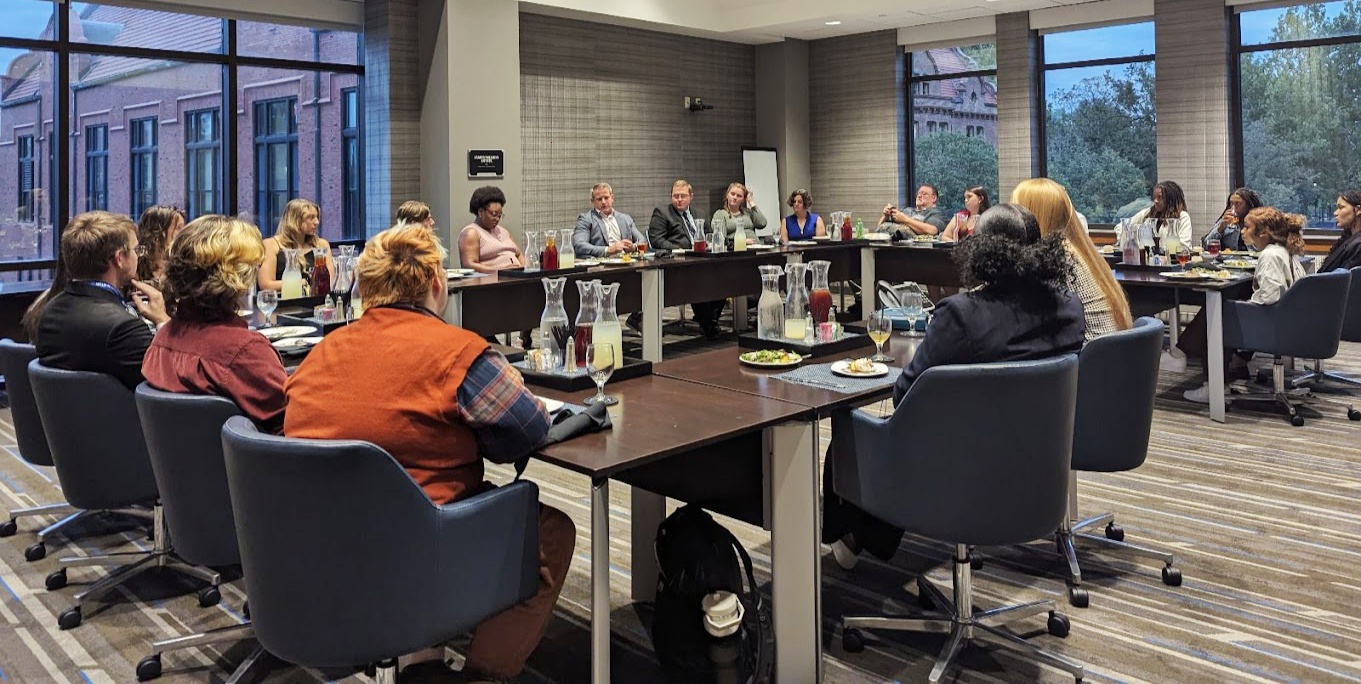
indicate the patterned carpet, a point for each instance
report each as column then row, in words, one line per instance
column 1265, row 519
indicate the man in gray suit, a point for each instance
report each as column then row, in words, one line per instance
column 603, row 231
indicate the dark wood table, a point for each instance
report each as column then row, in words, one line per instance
column 685, row 439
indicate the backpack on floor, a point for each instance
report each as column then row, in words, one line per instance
column 696, row 556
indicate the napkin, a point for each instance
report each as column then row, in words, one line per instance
column 569, row 423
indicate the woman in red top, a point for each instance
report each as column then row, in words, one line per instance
column 207, row 348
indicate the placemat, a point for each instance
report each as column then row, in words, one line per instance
column 821, row 376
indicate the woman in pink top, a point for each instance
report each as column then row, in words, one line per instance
column 485, row 245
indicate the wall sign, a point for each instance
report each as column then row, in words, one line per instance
column 486, row 163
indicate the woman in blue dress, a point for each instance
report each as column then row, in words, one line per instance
column 802, row 224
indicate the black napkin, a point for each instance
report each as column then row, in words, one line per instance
column 568, row 424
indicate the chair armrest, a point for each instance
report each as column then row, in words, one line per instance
column 488, row 557
column 1248, row 325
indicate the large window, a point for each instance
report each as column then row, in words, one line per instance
column 143, row 169
column 97, row 167
column 203, row 162
column 952, row 95
column 1100, row 126
column 158, row 107
column 1300, row 89
column 276, row 158
column 349, row 154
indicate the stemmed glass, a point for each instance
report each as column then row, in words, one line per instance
column 267, row 301
column 600, row 361
column 912, row 310
column 879, row 328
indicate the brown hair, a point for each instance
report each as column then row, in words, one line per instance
column 744, row 195
column 398, row 264
column 290, row 233
column 91, row 240
column 1052, row 207
column 413, row 211
column 1280, row 228
column 34, row 313
column 212, row 262
column 807, row 199
column 153, row 232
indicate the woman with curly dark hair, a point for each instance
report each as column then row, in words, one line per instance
column 1228, row 229
column 207, row 348
column 1019, row 309
column 155, row 230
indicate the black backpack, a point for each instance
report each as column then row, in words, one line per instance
column 696, row 556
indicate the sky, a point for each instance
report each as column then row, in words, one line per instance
column 1126, row 40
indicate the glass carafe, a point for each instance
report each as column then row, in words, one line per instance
column 567, row 258
column 796, row 302
column 820, row 299
column 553, row 325
column 590, row 308
column 292, row 277
column 549, row 260
column 770, row 307
column 532, row 254
column 606, row 329
column 321, row 272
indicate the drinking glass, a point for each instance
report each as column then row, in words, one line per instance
column 1212, row 247
column 879, row 328
column 600, row 362
column 912, row 310
column 267, row 301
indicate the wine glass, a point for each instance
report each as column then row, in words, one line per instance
column 912, row 310
column 600, row 361
column 879, row 328
column 267, row 301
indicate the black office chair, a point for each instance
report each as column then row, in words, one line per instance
column 1117, row 381
column 993, row 476
column 1351, row 332
column 1305, row 323
column 350, row 564
column 184, row 440
column 102, row 463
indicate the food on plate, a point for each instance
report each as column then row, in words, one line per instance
column 861, row 366
column 1239, row 263
column 771, row 356
column 626, row 258
column 923, row 238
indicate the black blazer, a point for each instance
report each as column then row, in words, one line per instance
column 982, row 327
column 667, row 229
column 87, row 328
column 1344, row 254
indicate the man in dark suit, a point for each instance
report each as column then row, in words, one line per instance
column 673, row 227
column 92, row 325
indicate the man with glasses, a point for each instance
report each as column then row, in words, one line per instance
column 92, row 325
column 926, row 219
column 674, row 227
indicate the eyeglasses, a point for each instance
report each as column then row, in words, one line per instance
column 493, row 214
column 139, row 250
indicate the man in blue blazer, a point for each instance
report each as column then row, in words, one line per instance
column 603, row 231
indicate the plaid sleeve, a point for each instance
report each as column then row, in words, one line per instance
column 506, row 418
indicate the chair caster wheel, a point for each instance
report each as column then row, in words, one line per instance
column 1059, row 624
column 1297, row 421
column 1352, row 414
column 1115, row 532
column 55, row 580
column 36, row 552
column 1172, row 576
column 1078, row 597
column 208, row 597
column 149, row 668
column 8, row 528
column 975, row 562
column 852, row 641
column 69, row 619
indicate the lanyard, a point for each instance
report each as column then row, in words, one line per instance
column 106, row 287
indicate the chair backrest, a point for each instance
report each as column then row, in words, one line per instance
column 1351, row 321
column 184, row 440
column 1116, row 382
column 1305, row 322
column 28, row 425
column 96, row 438
column 346, row 560
column 991, row 470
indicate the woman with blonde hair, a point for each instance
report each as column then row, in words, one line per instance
column 207, row 348
column 297, row 230
column 415, row 212
column 739, row 206
column 1103, row 301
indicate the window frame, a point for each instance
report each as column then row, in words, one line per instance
column 97, row 159
column 139, row 150
column 352, row 182
column 27, row 207
column 921, row 85
column 265, row 141
column 194, row 149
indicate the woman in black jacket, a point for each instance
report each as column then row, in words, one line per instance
column 1346, row 251
column 1020, row 309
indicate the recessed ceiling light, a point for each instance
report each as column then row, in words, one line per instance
column 833, row 23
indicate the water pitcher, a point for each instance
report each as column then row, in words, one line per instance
column 820, row 299
column 553, row 326
column 292, row 277
column 532, row 253
column 590, row 308
column 770, row 307
column 796, row 302
column 606, row 329
column 567, row 258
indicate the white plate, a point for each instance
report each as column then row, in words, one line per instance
column 553, row 405
column 821, row 238
column 586, row 262
column 804, row 242
column 458, row 272
column 615, row 261
column 296, row 343
column 282, row 331
column 770, row 364
column 679, row 251
column 878, row 237
column 760, row 246
column 843, row 368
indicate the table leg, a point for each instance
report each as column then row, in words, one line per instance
column 1174, row 327
column 739, row 314
column 600, row 581
column 654, row 282
column 795, row 566
column 453, row 310
column 867, row 282
column 1214, row 315
column 648, row 511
